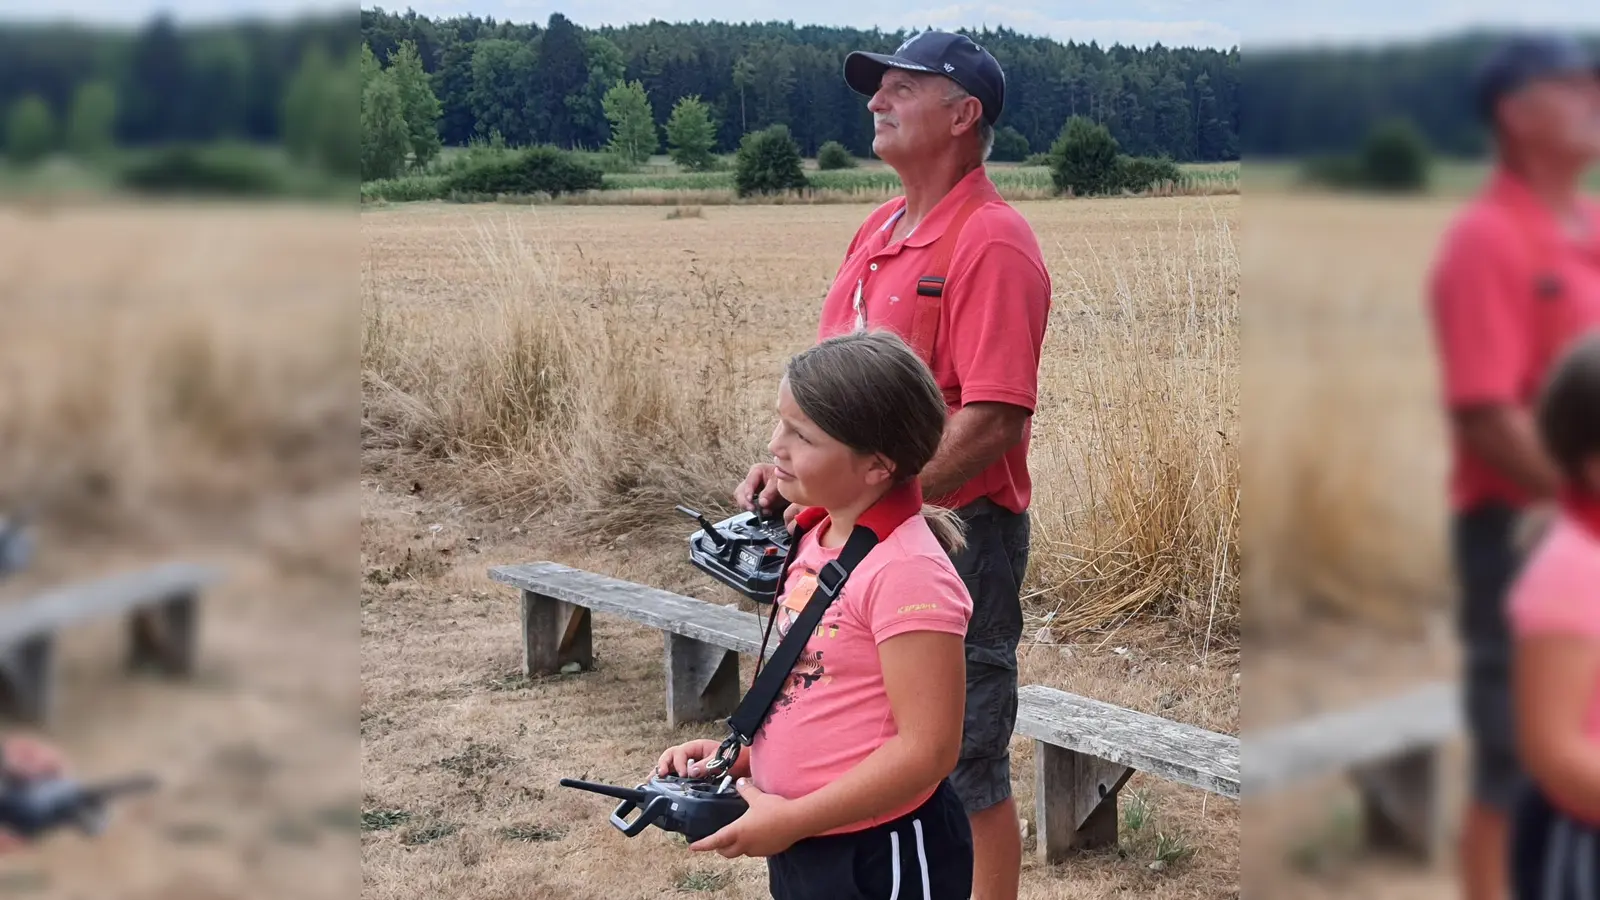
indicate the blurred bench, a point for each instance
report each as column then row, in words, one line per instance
column 1391, row 749
column 161, row 607
column 1085, row 749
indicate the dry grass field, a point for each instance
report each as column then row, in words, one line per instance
column 546, row 382
column 179, row 382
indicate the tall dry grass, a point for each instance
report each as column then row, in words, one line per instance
column 1138, row 513
column 543, row 391
column 576, row 394
column 136, row 383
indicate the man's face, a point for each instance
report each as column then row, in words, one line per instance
column 1557, row 116
column 911, row 115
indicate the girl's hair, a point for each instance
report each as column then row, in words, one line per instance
column 1569, row 409
column 869, row 391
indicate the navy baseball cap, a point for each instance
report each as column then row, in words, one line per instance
column 954, row 56
column 1524, row 58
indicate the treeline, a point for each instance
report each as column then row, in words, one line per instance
column 163, row 83
column 535, row 84
column 1305, row 103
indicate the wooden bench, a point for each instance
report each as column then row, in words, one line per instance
column 702, row 640
column 162, row 607
column 1085, row 750
column 1392, row 751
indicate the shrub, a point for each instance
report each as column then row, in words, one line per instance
column 1137, row 173
column 1009, row 145
column 1395, row 158
column 196, row 169
column 1084, row 159
column 833, row 155
column 768, row 163
column 535, row 170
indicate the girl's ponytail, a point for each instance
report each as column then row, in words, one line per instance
column 948, row 527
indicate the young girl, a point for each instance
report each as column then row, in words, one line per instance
column 845, row 779
column 1555, row 616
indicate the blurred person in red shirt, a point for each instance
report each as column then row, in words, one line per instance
column 1517, row 279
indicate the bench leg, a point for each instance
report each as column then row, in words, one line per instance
column 1400, row 800
column 554, row 633
column 28, row 671
column 163, row 636
column 1075, row 801
column 702, row 681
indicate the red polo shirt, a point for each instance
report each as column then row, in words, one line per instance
column 991, row 325
column 1508, row 293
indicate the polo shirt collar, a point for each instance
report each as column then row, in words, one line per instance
column 1505, row 188
column 932, row 228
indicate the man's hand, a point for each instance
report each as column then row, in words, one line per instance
column 759, row 484
column 1508, row 439
column 28, row 759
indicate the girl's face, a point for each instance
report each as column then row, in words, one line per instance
column 814, row 469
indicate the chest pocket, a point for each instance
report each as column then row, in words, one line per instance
column 929, row 302
column 1560, row 311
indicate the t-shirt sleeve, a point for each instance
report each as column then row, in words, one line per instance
column 1557, row 592
column 998, row 307
column 918, row 593
column 1480, row 321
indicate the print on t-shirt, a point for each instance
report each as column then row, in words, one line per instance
column 809, row 669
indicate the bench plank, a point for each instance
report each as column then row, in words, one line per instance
column 722, row 626
column 1174, row 751
column 56, row 608
column 1339, row 742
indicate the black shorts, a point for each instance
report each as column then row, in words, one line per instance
column 1486, row 563
column 992, row 566
column 926, row 853
column 1553, row 857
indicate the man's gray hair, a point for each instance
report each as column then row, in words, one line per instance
column 985, row 130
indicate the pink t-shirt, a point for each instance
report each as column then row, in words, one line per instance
column 833, row 711
column 1558, row 592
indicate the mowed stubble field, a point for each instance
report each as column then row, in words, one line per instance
column 656, row 344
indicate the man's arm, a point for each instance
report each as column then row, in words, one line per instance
column 1506, row 437
column 976, row 436
column 997, row 320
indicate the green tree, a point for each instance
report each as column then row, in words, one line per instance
column 690, row 135
column 91, row 123
column 606, row 66
column 30, row 130
column 385, row 140
column 769, row 162
column 1083, row 158
column 633, row 125
column 418, row 104
column 303, row 99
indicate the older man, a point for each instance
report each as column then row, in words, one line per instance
column 1517, row 278
column 958, row 273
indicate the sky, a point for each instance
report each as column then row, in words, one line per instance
column 1197, row 23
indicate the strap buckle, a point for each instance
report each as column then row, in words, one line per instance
column 831, row 591
column 727, row 753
